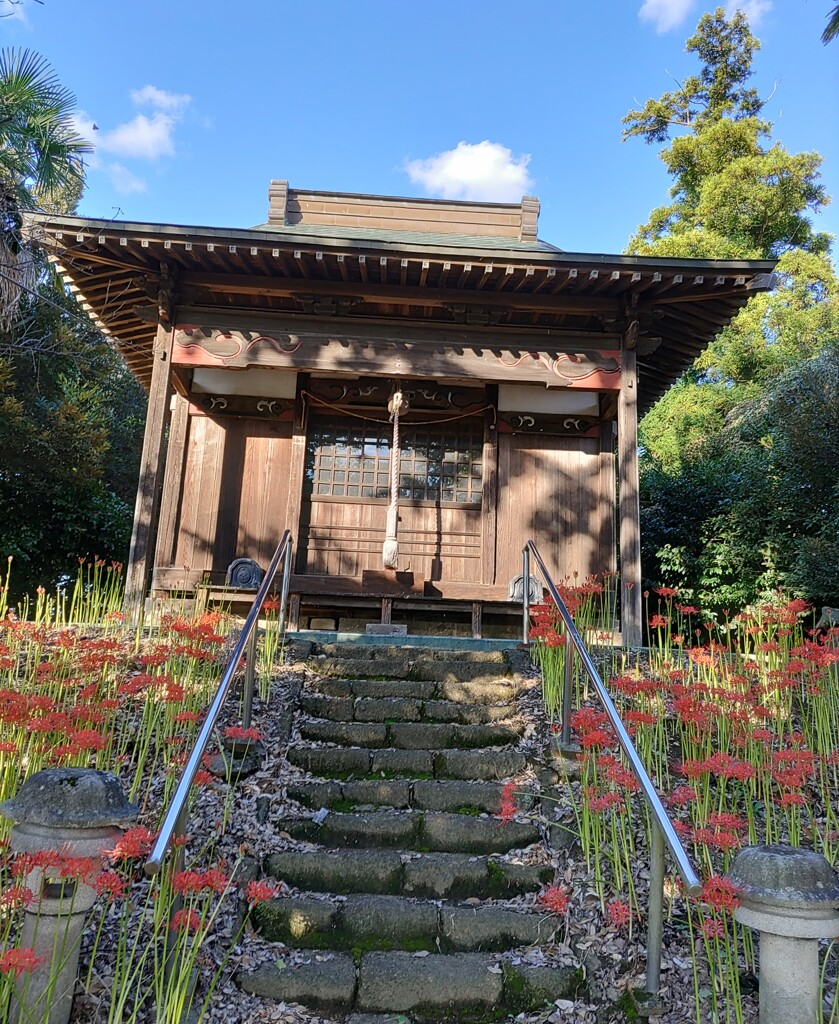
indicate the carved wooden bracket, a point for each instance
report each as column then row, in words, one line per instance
column 166, row 292
column 557, row 425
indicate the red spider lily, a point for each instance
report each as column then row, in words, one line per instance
column 720, row 893
column 44, row 860
column 133, row 844
column 193, row 882
column 84, row 869
column 588, row 718
column 17, row 961
column 237, row 732
column 717, row 839
column 713, row 928
column 658, row 621
column 682, row 795
column 666, row 592
column 722, row 819
column 602, row 802
column 272, row 603
column 185, row 921
column 792, row 800
column 153, row 659
column 728, row 767
column 554, row 899
column 112, row 884
column 623, row 778
column 15, row 896
column 508, row 807
column 88, row 739
column 260, row 891
column 620, row 913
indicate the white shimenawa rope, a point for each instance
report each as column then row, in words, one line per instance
column 390, row 548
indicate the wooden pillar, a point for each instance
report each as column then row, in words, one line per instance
column 477, row 619
column 629, row 513
column 145, row 508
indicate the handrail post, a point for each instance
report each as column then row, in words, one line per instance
column 566, row 691
column 178, row 864
column 655, row 910
column 250, row 678
column 285, row 589
column 525, row 595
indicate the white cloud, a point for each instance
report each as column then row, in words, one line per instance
column 753, row 9
column 483, row 171
column 147, row 138
column 151, row 96
column 124, row 181
column 665, row 14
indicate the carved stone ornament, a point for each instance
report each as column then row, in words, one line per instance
column 516, row 592
column 244, row 573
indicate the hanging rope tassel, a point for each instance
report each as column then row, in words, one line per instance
column 390, row 548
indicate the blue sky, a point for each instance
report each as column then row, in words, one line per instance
column 198, row 106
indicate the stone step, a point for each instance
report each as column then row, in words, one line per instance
column 358, row 762
column 396, row 922
column 414, row 830
column 402, row 709
column 407, row 735
column 428, row 875
column 325, row 982
column 375, row 652
column 434, row 986
column 463, row 714
column 430, row 794
column 454, row 986
column 459, row 691
column 389, row 669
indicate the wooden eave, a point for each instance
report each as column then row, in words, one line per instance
column 113, row 269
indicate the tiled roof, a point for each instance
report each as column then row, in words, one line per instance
column 430, row 238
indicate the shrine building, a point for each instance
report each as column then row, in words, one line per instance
column 286, row 364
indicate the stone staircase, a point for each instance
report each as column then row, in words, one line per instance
column 405, row 897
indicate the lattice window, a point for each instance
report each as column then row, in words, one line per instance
column 351, row 459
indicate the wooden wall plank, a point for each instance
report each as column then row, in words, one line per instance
column 297, row 467
column 344, row 539
column 173, row 481
column 551, row 490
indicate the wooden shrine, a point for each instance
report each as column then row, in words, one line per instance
column 270, row 356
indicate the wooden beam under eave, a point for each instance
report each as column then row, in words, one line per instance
column 629, row 512
column 151, row 469
column 368, row 291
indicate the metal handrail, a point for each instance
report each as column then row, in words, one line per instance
column 175, row 821
column 664, row 832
